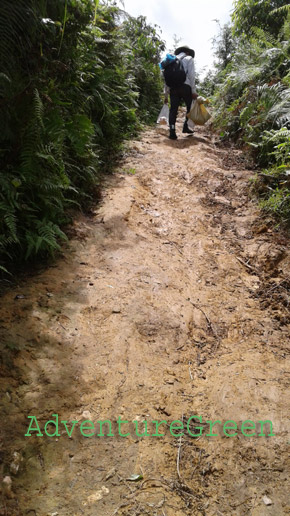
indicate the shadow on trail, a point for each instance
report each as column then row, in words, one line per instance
column 183, row 143
column 37, row 379
column 40, row 371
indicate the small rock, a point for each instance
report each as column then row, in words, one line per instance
column 242, row 232
column 14, row 466
column 98, row 495
column 170, row 372
column 116, row 310
column 86, row 415
column 262, row 229
column 222, row 200
column 7, row 487
column 267, row 501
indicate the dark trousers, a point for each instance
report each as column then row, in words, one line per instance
column 176, row 96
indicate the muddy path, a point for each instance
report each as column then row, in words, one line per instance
column 171, row 302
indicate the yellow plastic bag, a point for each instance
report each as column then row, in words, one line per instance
column 198, row 113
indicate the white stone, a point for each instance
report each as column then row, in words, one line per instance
column 267, row 501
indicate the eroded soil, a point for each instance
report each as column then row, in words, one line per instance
column 171, row 302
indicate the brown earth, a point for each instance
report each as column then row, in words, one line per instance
column 172, row 301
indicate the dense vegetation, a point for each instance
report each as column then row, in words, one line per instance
column 251, row 93
column 77, row 77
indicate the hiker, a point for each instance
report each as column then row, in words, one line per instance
column 185, row 91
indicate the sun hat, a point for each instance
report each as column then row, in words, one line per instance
column 185, row 49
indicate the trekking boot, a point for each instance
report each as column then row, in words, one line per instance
column 172, row 133
column 186, row 128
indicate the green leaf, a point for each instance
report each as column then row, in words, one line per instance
column 16, row 183
column 135, row 478
column 5, row 270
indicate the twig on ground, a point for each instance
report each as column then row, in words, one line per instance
column 158, row 505
column 253, row 505
column 120, row 507
column 242, row 503
column 198, row 463
column 175, row 245
column 246, row 264
column 207, row 319
column 190, row 373
column 153, row 480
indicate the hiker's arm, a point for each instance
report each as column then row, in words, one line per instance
column 191, row 77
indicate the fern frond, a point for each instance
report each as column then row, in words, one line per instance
column 282, row 9
column 3, row 269
column 11, row 223
column 264, row 37
column 38, row 108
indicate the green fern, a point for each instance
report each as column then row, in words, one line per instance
column 3, row 269
column 282, row 9
column 70, row 89
column 264, row 37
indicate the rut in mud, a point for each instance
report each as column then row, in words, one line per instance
column 171, row 302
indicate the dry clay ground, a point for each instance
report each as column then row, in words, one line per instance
column 172, row 301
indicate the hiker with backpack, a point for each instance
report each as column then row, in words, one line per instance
column 179, row 77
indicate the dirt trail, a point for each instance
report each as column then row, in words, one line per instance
column 171, row 302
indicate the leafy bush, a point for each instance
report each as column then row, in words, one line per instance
column 145, row 48
column 71, row 91
column 251, row 93
column 278, row 203
column 274, row 147
column 268, row 15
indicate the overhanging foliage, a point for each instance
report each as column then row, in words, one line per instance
column 251, row 94
column 71, row 91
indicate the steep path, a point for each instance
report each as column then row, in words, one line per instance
column 171, row 302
